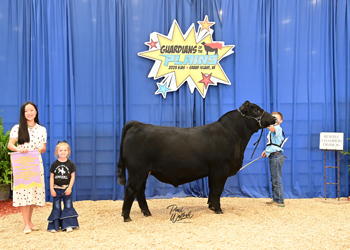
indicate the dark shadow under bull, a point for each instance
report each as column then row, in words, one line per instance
column 180, row 155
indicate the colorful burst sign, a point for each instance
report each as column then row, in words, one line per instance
column 26, row 170
column 191, row 57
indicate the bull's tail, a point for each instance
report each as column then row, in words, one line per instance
column 121, row 164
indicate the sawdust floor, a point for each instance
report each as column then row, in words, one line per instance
column 247, row 223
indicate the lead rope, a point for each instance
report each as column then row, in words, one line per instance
column 257, row 143
column 250, row 163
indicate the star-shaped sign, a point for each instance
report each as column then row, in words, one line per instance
column 206, row 80
column 184, row 57
column 152, row 44
column 162, row 89
column 206, row 24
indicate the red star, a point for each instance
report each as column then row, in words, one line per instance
column 206, row 80
column 152, row 44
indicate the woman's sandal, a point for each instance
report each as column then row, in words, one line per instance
column 35, row 228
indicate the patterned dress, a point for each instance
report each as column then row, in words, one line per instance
column 34, row 195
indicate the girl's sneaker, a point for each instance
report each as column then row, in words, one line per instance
column 69, row 229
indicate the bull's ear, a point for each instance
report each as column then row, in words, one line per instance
column 245, row 107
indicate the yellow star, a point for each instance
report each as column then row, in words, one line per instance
column 206, row 24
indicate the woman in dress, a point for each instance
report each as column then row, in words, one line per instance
column 29, row 135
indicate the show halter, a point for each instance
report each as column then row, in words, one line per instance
column 258, row 119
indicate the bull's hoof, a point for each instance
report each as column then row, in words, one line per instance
column 127, row 219
column 217, row 211
column 211, row 208
column 146, row 213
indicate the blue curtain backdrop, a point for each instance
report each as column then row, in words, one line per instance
column 77, row 60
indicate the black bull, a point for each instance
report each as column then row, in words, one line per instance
column 181, row 155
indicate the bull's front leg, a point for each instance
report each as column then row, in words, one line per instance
column 216, row 186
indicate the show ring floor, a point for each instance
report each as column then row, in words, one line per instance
column 247, row 223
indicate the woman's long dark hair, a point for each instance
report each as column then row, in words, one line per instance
column 23, row 135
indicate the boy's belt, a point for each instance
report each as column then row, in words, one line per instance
column 275, row 153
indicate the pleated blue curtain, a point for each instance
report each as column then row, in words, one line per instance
column 250, row 81
column 341, row 71
column 303, row 44
column 97, row 31
column 305, row 86
column 77, row 60
column 39, row 68
column 59, row 84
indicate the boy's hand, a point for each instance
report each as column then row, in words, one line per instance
column 263, row 154
column 53, row 193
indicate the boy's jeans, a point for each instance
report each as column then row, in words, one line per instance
column 276, row 163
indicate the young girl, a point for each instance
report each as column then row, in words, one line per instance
column 61, row 183
column 29, row 135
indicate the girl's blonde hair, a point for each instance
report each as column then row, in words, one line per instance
column 62, row 143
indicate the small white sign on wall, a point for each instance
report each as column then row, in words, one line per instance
column 331, row 141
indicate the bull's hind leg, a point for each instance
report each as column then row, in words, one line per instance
column 216, row 186
column 141, row 199
column 131, row 190
column 210, row 197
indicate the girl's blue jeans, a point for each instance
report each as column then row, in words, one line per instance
column 62, row 218
column 276, row 162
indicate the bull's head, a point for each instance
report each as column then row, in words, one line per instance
column 253, row 111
